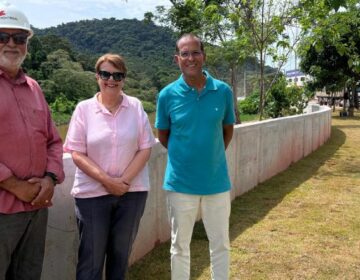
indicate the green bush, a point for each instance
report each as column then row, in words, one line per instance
column 61, row 118
column 280, row 100
column 298, row 98
column 250, row 105
column 286, row 100
column 62, row 105
column 277, row 101
column 148, row 106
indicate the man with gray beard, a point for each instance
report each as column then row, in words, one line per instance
column 30, row 155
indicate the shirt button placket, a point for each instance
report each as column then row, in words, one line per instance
column 113, row 155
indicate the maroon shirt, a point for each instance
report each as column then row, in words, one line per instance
column 29, row 142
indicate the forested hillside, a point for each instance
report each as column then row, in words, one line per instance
column 148, row 47
column 62, row 59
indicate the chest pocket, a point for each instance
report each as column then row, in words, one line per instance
column 37, row 120
column 6, row 126
column 6, row 116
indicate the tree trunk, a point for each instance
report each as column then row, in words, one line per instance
column 234, row 89
column 333, row 100
column 262, row 63
column 356, row 98
column 352, row 100
column 262, row 86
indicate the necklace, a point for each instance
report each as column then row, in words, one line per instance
column 112, row 108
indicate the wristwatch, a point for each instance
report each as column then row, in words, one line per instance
column 52, row 176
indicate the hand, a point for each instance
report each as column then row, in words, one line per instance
column 22, row 189
column 26, row 191
column 116, row 186
column 46, row 192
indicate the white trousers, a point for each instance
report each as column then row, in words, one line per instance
column 215, row 212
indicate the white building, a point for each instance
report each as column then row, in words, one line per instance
column 296, row 77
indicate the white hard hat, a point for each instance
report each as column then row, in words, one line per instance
column 11, row 17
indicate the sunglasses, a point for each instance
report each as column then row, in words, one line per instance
column 105, row 75
column 18, row 38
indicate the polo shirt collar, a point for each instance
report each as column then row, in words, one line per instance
column 209, row 85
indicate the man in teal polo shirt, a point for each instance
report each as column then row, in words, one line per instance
column 195, row 117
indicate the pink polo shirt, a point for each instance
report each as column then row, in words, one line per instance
column 29, row 142
column 109, row 140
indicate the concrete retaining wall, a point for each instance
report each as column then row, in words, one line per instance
column 257, row 152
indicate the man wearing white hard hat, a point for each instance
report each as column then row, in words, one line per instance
column 30, row 155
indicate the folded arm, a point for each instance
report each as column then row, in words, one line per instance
column 22, row 189
column 115, row 186
column 136, row 165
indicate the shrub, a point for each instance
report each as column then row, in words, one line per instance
column 250, row 105
column 148, row 106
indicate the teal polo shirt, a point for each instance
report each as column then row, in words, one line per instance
column 196, row 153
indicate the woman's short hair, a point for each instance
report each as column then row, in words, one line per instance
column 116, row 60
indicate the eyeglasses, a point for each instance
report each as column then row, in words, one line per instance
column 18, row 38
column 187, row 54
column 105, row 75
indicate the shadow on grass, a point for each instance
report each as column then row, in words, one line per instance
column 253, row 206
column 247, row 210
column 356, row 117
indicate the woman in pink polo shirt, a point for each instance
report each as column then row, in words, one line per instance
column 110, row 141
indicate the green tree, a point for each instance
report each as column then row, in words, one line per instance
column 49, row 88
column 149, row 107
column 250, row 105
column 277, row 102
column 59, row 59
column 266, row 21
column 148, row 17
column 62, row 105
column 36, row 55
column 299, row 98
column 281, row 101
column 330, row 52
column 74, row 85
column 62, row 109
column 52, row 42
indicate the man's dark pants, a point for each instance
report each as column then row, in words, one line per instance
column 22, row 244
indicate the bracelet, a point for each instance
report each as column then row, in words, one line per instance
column 52, row 176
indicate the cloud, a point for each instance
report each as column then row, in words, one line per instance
column 45, row 13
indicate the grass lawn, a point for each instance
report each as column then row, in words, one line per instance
column 301, row 224
column 248, row 118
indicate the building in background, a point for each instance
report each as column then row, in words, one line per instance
column 296, row 77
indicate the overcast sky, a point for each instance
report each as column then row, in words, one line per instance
column 46, row 13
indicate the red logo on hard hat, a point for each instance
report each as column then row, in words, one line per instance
column 2, row 13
